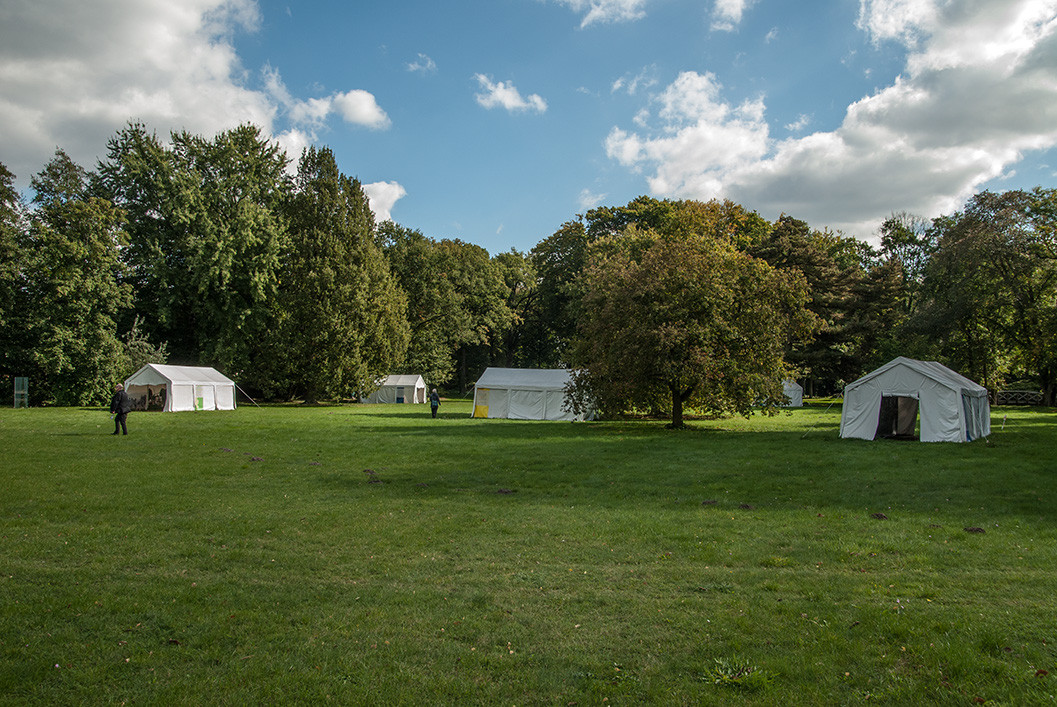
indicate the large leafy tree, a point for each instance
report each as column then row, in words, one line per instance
column 140, row 176
column 791, row 245
column 457, row 301
column 432, row 304
column 73, row 289
column 236, row 234
column 205, row 236
column 558, row 261
column 993, row 286
column 482, row 312
column 343, row 319
column 515, row 345
column 681, row 322
column 13, row 303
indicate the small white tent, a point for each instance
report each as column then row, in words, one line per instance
column 886, row 402
column 399, row 389
column 178, row 388
column 795, row 392
column 522, row 394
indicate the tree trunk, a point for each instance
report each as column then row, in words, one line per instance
column 678, row 398
column 677, row 410
column 462, row 370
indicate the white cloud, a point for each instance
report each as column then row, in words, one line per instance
column 802, row 121
column 293, row 142
column 701, row 139
column 603, row 11
column 360, row 108
column 423, row 65
column 644, row 80
column 979, row 92
column 382, row 196
column 72, row 73
column 589, row 200
column 906, row 21
column 356, row 107
column 505, row 95
column 726, row 15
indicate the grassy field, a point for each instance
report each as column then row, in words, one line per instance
column 372, row 555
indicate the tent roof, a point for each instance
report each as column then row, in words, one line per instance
column 525, row 378
column 931, row 369
column 179, row 374
column 398, row 379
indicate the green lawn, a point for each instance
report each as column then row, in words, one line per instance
column 373, row 555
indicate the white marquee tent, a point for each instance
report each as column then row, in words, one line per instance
column 795, row 392
column 399, row 389
column 179, row 388
column 522, row 394
column 887, row 401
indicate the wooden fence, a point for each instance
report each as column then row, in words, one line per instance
column 1018, row 397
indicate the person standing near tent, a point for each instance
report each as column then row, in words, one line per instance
column 434, row 403
column 120, row 405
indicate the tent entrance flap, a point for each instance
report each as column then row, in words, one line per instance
column 897, row 417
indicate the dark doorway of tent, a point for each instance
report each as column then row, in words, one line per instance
column 898, row 418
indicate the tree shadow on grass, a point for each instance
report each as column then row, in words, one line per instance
column 636, row 464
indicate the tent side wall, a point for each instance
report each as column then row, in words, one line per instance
column 181, row 398
column 225, row 396
column 491, row 403
column 522, row 394
column 520, row 404
column 859, row 414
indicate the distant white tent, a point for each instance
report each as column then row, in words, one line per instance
column 522, row 394
column 887, row 401
column 795, row 392
column 399, row 389
column 180, row 388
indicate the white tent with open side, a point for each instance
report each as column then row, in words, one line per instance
column 886, row 403
column 522, row 394
column 795, row 392
column 399, row 389
column 179, row 388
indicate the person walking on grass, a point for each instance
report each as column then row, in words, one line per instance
column 434, row 403
column 120, row 405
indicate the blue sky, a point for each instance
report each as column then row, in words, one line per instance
column 494, row 121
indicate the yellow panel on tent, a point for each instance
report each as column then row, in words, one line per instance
column 480, row 403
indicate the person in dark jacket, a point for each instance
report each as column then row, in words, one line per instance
column 120, row 405
column 434, row 402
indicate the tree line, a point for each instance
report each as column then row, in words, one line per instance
column 212, row 251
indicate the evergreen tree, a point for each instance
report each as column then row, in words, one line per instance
column 343, row 322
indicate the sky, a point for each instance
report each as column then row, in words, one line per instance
column 496, row 121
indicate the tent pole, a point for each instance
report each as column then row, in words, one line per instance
column 246, row 394
column 811, row 429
